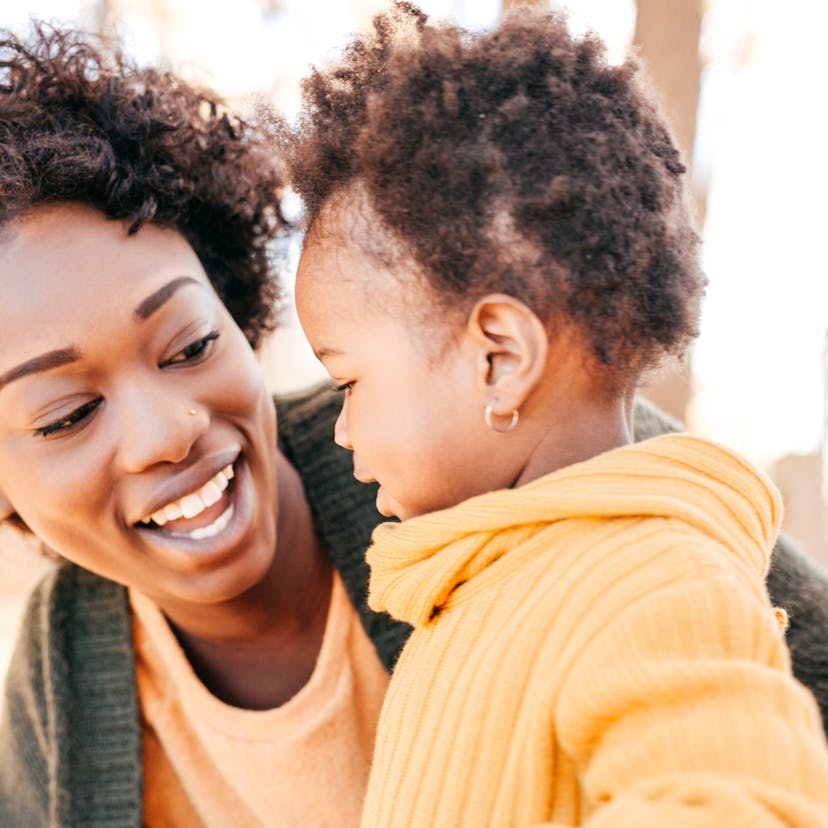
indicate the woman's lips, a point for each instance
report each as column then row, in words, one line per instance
column 195, row 509
column 208, row 530
column 217, row 534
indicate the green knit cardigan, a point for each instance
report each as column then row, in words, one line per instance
column 70, row 743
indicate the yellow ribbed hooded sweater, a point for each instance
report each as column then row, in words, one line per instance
column 596, row 648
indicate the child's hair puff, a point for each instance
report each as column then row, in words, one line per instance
column 515, row 160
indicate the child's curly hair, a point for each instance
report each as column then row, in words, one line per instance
column 80, row 122
column 516, row 160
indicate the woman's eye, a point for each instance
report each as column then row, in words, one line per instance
column 194, row 351
column 71, row 421
column 346, row 387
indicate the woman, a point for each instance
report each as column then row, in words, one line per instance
column 139, row 442
column 134, row 220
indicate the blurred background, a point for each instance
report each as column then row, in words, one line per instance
column 742, row 83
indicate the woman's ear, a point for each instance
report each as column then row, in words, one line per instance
column 512, row 345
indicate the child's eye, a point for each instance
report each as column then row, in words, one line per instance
column 195, row 351
column 346, row 386
column 69, row 422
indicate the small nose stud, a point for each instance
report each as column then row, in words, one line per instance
column 192, row 412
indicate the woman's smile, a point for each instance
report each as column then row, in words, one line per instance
column 139, row 443
column 210, row 533
column 188, row 512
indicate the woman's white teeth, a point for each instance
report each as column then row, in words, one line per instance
column 215, row 527
column 210, row 494
column 195, row 503
column 192, row 505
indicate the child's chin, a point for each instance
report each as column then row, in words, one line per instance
column 388, row 507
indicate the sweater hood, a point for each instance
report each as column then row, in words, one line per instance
column 416, row 565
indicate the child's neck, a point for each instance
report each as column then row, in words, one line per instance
column 577, row 432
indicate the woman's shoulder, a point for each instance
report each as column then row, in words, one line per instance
column 306, row 437
column 71, row 615
column 800, row 586
column 306, row 421
column 307, row 410
column 70, row 721
column 650, row 421
column 69, row 593
column 344, row 510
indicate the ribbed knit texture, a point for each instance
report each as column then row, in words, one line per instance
column 595, row 648
column 70, row 745
column 795, row 582
column 42, row 776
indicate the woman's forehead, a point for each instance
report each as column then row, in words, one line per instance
column 67, row 268
column 73, row 245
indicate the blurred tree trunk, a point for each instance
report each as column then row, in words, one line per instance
column 511, row 4
column 667, row 39
column 105, row 17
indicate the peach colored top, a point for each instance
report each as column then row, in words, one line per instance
column 302, row 764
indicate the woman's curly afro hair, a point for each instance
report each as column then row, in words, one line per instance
column 515, row 160
column 79, row 122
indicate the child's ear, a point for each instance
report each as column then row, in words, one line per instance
column 512, row 346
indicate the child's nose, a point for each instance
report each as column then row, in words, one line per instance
column 341, row 437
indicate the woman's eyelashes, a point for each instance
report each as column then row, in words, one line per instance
column 71, row 421
column 193, row 353
column 346, row 386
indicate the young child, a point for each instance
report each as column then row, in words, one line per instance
column 498, row 250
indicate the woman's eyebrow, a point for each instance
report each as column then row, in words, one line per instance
column 44, row 362
column 63, row 356
column 156, row 299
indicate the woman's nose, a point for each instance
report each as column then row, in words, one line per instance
column 161, row 433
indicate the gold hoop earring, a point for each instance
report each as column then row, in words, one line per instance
column 487, row 416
